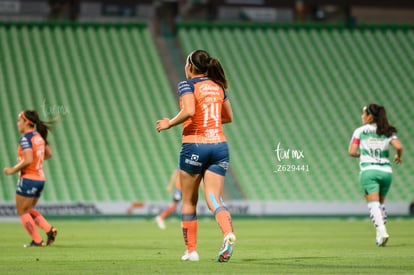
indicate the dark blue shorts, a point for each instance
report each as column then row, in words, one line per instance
column 29, row 188
column 196, row 158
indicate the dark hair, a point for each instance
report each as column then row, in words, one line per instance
column 380, row 118
column 43, row 127
column 203, row 63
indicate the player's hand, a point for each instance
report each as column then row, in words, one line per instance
column 398, row 159
column 8, row 171
column 163, row 124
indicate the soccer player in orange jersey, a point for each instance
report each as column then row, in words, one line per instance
column 33, row 149
column 204, row 108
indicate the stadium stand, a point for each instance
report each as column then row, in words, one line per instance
column 108, row 84
column 297, row 94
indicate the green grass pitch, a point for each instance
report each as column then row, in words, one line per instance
column 264, row 246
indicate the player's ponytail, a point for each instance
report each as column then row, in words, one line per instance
column 42, row 127
column 380, row 118
column 204, row 64
column 216, row 73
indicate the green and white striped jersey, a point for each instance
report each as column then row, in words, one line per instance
column 374, row 149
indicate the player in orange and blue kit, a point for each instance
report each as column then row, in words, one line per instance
column 33, row 149
column 204, row 108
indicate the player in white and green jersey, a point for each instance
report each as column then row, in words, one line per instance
column 371, row 144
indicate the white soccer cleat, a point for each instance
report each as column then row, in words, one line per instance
column 160, row 222
column 226, row 250
column 382, row 237
column 193, row 256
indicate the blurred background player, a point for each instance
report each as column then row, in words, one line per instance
column 176, row 199
column 33, row 149
column 204, row 108
column 172, row 207
column 370, row 143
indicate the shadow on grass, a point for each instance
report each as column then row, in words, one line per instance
column 279, row 260
column 318, row 263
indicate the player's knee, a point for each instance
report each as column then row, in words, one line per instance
column 22, row 210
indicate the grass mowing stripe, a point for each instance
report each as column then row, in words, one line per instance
column 279, row 246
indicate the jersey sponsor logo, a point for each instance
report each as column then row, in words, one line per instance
column 31, row 191
column 212, row 134
column 209, row 89
column 224, row 165
column 369, row 132
column 194, row 160
column 195, row 157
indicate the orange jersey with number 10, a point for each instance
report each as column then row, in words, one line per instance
column 35, row 142
column 205, row 126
